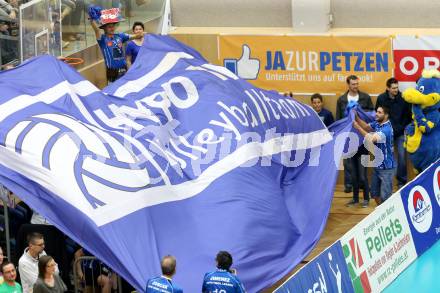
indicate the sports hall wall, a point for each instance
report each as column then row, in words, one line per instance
column 278, row 13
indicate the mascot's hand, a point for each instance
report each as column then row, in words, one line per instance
column 423, row 124
column 410, row 129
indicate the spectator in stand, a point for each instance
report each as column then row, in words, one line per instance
column 9, row 274
column 72, row 19
column 48, row 281
column 135, row 45
column 67, row 6
column 111, row 42
column 28, row 262
column 14, row 25
column 8, row 48
column 17, row 214
column 164, row 283
column 6, row 10
column 93, row 271
column 223, row 279
column 325, row 115
column 400, row 117
column 8, row 66
column 352, row 97
column 380, row 132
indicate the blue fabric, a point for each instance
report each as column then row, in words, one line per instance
column 169, row 159
column 350, row 106
column 221, row 281
column 163, row 285
column 112, row 50
column 132, row 50
column 385, row 131
column 382, row 183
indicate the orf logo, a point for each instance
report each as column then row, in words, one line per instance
column 420, row 209
column 436, row 184
column 410, row 63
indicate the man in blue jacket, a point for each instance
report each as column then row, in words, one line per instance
column 222, row 280
column 164, row 283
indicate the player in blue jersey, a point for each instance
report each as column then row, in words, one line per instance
column 222, row 280
column 111, row 43
column 380, row 132
column 164, row 283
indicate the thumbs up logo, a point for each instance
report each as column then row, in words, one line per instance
column 245, row 67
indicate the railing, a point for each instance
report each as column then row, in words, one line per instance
column 87, row 284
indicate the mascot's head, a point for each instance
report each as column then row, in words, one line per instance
column 427, row 92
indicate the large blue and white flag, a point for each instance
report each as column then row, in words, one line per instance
column 178, row 157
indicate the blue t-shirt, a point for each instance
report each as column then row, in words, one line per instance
column 132, row 50
column 326, row 117
column 112, row 49
column 221, row 281
column 385, row 144
column 163, row 285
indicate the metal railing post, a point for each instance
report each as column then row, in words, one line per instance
column 8, row 239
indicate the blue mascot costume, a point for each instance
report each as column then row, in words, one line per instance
column 422, row 135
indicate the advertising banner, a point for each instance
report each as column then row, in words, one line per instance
column 412, row 54
column 308, row 64
column 379, row 247
column 421, row 200
column 326, row 273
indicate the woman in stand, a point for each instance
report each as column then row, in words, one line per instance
column 48, row 281
column 134, row 45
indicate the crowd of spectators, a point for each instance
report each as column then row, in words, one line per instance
column 30, row 269
column 8, row 32
column 38, row 272
column 71, row 14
